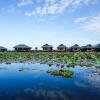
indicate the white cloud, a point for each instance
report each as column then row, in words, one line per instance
column 80, row 20
column 91, row 24
column 80, row 2
column 24, row 3
column 57, row 6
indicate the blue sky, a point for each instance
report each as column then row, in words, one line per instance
column 36, row 22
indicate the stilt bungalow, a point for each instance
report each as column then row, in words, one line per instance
column 22, row 47
column 97, row 47
column 75, row 47
column 88, row 48
column 2, row 49
column 62, row 47
column 47, row 47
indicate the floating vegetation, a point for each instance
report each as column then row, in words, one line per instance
column 62, row 72
column 50, row 65
column 8, row 63
column 97, row 65
column 71, row 63
column 57, row 65
column 55, row 58
column 62, row 65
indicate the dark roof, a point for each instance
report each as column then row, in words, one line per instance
column 47, row 46
column 61, row 46
column 1, row 47
column 75, row 46
column 87, row 46
column 22, row 46
column 97, row 46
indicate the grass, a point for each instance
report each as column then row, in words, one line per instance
column 68, row 58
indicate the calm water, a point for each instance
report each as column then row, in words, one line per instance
column 33, row 83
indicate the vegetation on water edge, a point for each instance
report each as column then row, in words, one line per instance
column 66, row 58
column 61, row 72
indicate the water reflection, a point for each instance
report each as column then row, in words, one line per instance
column 31, row 82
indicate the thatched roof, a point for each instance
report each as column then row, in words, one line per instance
column 97, row 46
column 22, row 46
column 2, row 48
column 47, row 46
column 61, row 46
column 75, row 46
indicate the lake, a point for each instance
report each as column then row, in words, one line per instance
column 34, row 83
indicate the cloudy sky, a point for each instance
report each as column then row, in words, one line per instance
column 36, row 22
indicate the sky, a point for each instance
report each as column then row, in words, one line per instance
column 37, row 22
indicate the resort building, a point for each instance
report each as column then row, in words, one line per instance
column 62, row 47
column 75, row 47
column 88, row 48
column 3, row 48
column 22, row 47
column 47, row 47
column 97, row 47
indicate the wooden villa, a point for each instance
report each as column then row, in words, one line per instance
column 88, row 48
column 47, row 47
column 75, row 47
column 97, row 47
column 62, row 47
column 3, row 49
column 22, row 47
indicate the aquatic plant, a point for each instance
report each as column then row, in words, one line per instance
column 8, row 63
column 62, row 72
column 61, row 58
column 71, row 63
